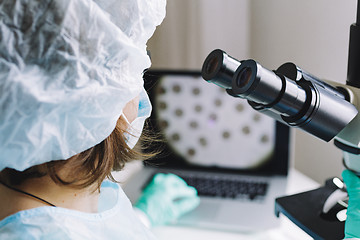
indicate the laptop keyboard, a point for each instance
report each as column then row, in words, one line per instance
column 227, row 188
column 214, row 186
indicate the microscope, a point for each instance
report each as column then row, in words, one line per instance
column 325, row 109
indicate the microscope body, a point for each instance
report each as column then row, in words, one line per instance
column 348, row 139
column 325, row 109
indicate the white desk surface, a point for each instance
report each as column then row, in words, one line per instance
column 287, row 230
column 298, row 182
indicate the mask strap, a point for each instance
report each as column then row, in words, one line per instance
column 127, row 121
column 28, row 194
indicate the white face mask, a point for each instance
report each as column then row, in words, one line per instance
column 135, row 127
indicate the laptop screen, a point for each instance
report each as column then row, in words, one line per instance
column 204, row 128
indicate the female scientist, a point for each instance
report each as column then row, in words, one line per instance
column 72, row 106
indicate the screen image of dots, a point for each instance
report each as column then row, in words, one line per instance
column 207, row 127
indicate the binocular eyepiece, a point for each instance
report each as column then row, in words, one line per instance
column 288, row 94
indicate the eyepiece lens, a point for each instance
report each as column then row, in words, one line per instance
column 212, row 65
column 244, row 77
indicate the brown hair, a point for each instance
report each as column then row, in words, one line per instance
column 88, row 167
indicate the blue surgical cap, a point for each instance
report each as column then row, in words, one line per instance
column 67, row 69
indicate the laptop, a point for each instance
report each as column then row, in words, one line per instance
column 235, row 157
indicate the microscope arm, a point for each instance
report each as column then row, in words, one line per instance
column 348, row 139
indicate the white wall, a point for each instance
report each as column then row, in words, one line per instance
column 193, row 28
column 311, row 33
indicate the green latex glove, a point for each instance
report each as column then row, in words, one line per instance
column 352, row 224
column 166, row 198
